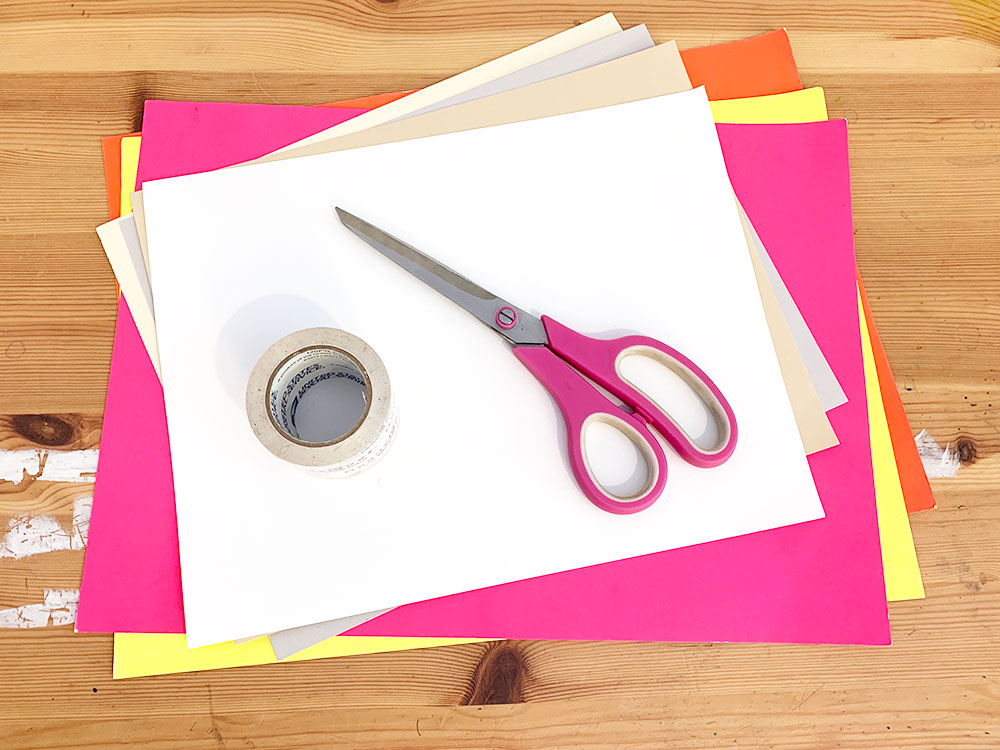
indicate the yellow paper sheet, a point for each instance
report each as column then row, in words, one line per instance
column 130, row 166
column 899, row 558
column 144, row 654
column 807, row 105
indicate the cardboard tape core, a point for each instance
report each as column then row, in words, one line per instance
column 321, row 399
column 318, row 396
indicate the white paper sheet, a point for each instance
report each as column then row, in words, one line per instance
column 559, row 215
column 119, row 235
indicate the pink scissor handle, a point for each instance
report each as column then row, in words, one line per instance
column 599, row 359
column 581, row 405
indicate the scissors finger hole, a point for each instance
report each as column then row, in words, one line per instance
column 678, row 394
column 618, row 458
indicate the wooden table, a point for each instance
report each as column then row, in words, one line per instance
column 918, row 81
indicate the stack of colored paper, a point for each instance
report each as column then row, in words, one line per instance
column 591, row 174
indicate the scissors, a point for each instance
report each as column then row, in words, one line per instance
column 559, row 358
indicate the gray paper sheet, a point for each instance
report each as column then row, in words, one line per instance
column 600, row 51
column 824, row 380
column 285, row 643
column 131, row 234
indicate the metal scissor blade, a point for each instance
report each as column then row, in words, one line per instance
column 509, row 321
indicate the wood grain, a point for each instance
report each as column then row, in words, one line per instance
column 919, row 83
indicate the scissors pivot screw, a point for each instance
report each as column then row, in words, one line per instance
column 506, row 317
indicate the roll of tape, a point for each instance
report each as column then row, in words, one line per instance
column 320, row 399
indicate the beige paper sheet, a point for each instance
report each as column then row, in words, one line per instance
column 120, row 240
column 817, row 434
column 653, row 72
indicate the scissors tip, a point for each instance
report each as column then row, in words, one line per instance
column 349, row 220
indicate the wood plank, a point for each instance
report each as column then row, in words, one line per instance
column 797, row 718
column 376, row 36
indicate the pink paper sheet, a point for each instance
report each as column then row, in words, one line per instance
column 131, row 573
column 815, row 582
column 191, row 137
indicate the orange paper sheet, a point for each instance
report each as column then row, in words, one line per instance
column 111, row 148
column 765, row 65
column 749, row 67
column 917, row 492
column 369, row 102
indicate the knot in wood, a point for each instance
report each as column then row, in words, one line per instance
column 44, row 429
column 499, row 677
column 965, row 449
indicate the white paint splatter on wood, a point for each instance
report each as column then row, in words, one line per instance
column 48, row 466
column 33, row 535
column 82, row 507
column 58, row 607
column 937, row 462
